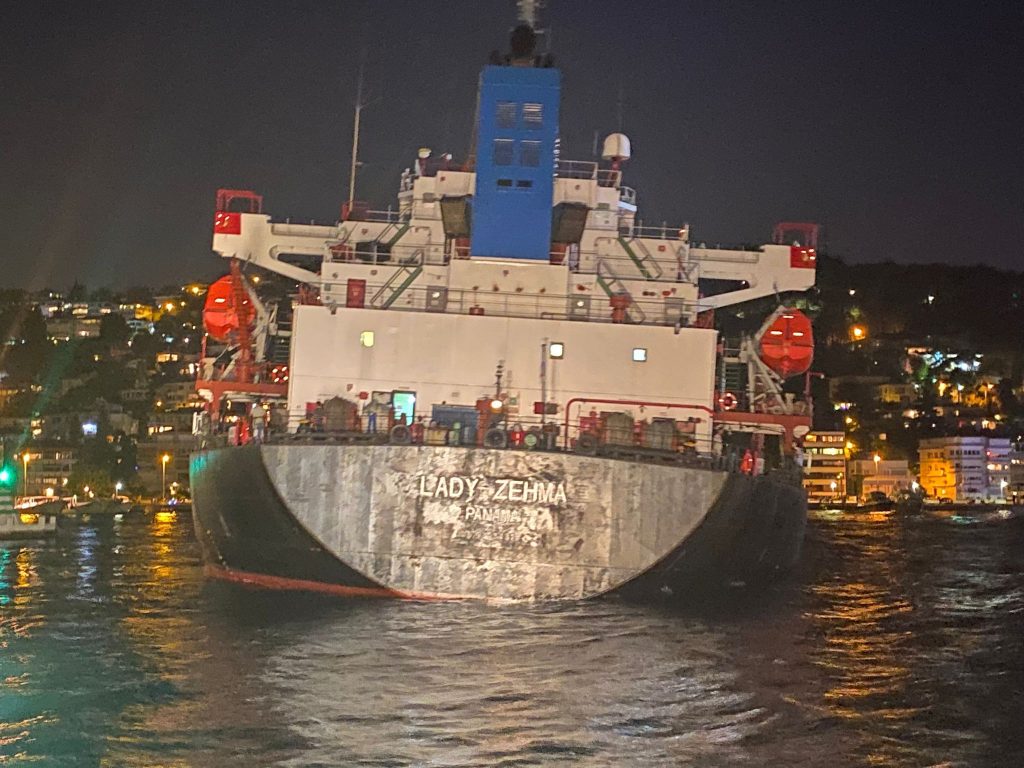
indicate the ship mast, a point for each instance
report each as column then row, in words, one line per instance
column 355, row 140
column 528, row 12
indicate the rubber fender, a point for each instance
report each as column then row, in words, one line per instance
column 586, row 444
column 495, row 438
column 400, row 435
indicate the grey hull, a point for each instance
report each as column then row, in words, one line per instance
column 447, row 522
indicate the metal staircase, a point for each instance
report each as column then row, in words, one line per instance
column 393, row 232
column 638, row 253
column 734, row 373
column 395, row 286
column 280, row 342
column 612, row 285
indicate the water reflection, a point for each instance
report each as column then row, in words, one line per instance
column 889, row 649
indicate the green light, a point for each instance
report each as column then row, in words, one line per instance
column 5, row 475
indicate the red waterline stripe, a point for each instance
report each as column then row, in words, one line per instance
column 340, row 590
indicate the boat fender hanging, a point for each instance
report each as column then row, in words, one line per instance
column 495, row 438
column 400, row 435
column 586, row 444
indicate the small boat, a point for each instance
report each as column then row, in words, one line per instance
column 45, row 505
column 100, row 505
column 909, row 503
column 872, row 505
column 21, row 524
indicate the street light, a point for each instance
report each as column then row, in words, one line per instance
column 163, row 467
column 24, row 475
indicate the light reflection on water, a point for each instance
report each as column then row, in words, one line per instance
column 898, row 644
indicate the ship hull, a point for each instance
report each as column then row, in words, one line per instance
column 421, row 522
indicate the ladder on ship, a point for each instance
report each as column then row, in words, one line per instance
column 279, row 347
column 393, row 232
column 733, row 374
column 612, row 285
column 642, row 258
column 400, row 279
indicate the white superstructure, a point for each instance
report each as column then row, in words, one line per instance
column 405, row 255
column 441, row 322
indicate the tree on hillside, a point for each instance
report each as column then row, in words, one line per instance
column 30, row 350
column 78, row 292
column 114, row 330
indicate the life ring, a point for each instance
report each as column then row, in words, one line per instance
column 400, row 435
column 532, row 438
column 586, row 444
column 495, row 438
column 728, row 401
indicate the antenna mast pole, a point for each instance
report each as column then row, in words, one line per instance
column 528, row 11
column 355, row 140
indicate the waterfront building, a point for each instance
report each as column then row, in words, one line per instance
column 887, row 476
column 825, row 465
column 1015, row 491
column 176, row 446
column 46, row 468
column 965, row 468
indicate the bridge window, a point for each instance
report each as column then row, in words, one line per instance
column 524, row 184
column 529, row 153
column 533, row 116
column 503, row 151
column 506, row 114
column 505, row 183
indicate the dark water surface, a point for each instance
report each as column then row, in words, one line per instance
column 901, row 643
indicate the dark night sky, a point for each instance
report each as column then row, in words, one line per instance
column 897, row 125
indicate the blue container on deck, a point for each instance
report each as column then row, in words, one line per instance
column 465, row 416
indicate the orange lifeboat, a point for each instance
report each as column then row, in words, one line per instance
column 787, row 344
column 221, row 315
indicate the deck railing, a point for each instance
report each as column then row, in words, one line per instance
column 591, row 307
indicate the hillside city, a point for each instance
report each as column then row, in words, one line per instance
column 917, row 381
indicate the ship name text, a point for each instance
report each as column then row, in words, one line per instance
column 468, row 488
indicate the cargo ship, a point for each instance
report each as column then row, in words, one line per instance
column 504, row 387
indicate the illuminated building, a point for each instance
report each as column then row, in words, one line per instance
column 965, row 468
column 825, row 465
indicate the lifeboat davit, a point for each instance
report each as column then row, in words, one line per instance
column 221, row 316
column 787, row 343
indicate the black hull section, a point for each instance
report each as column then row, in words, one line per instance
column 752, row 533
column 248, row 535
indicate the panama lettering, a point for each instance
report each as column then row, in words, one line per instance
column 493, row 511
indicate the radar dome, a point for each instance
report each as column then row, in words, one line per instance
column 616, row 147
